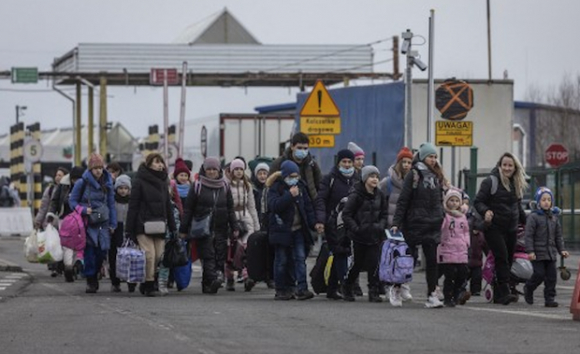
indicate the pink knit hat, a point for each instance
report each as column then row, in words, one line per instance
column 95, row 160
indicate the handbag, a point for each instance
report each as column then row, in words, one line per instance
column 100, row 215
column 200, row 228
column 157, row 227
column 175, row 254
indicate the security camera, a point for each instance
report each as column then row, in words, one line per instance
column 405, row 46
column 422, row 66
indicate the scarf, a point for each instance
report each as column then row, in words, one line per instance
column 183, row 189
column 122, row 200
column 218, row 183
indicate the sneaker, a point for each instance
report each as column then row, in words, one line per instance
column 449, row 303
column 405, row 293
column 433, row 301
column 333, row 295
column 163, row 291
column 347, row 293
column 115, row 288
column 463, row 297
column 395, row 297
column 212, row 288
column 304, row 295
column 439, row 293
column 240, row 279
column 528, row 295
column 282, row 296
column 249, row 285
column 357, row 290
column 551, row 304
column 131, row 287
column 230, row 285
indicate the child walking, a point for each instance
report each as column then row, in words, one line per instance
column 543, row 244
column 122, row 194
column 453, row 249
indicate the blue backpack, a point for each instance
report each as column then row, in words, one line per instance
column 396, row 264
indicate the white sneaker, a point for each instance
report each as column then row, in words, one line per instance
column 439, row 293
column 405, row 292
column 395, row 296
column 433, row 301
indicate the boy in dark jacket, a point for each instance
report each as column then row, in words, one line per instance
column 291, row 217
column 122, row 195
column 365, row 217
column 543, row 244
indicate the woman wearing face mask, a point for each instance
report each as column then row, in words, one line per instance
column 335, row 186
column 502, row 208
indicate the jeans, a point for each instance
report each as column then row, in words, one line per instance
column 288, row 258
column 94, row 257
column 431, row 273
column 544, row 271
column 366, row 258
column 501, row 244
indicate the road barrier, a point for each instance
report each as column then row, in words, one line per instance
column 15, row 221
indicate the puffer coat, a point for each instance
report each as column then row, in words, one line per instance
column 365, row 215
column 544, row 235
column 245, row 206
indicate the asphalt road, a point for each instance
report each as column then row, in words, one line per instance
column 43, row 314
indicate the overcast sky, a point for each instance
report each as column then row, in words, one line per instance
column 534, row 40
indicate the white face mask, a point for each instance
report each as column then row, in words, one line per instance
column 300, row 154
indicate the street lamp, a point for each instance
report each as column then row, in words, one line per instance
column 19, row 112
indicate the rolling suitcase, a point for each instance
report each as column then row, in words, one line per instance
column 257, row 254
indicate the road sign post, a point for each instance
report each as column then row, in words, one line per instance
column 453, row 133
column 24, row 75
column 556, row 155
column 320, row 117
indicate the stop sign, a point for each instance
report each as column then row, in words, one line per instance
column 556, row 155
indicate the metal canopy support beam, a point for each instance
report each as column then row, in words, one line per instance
column 91, row 120
column 103, row 117
column 78, row 125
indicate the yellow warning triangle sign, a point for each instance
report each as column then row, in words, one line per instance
column 319, row 103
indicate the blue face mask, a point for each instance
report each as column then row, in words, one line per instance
column 300, row 154
column 346, row 171
column 291, row 181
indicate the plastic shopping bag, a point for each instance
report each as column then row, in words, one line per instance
column 130, row 263
column 31, row 248
column 182, row 276
column 49, row 248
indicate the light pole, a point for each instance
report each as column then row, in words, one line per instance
column 19, row 112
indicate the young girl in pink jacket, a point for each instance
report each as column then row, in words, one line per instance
column 452, row 252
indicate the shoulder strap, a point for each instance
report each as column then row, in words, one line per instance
column 197, row 187
column 331, row 184
column 494, row 184
column 416, row 178
column 389, row 185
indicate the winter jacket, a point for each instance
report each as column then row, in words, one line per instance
column 258, row 190
column 88, row 192
column 333, row 188
column 544, row 235
column 309, row 171
column 245, row 206
column 506, row 206
column 477, row 227
column 203, row 200
column 8, row 197
column 419, row 213
column 40, row 218
column 149, row 201
column 391, row 186
column 455, row 240
column 282, row 207
column 365, row 215
column 59, row 207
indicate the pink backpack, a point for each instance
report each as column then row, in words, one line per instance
column 72, row 230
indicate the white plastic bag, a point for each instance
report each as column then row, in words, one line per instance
column 49, row 248
column 31, row 248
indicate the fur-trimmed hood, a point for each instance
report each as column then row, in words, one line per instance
column 273, row 178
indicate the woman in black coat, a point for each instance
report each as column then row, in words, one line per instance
column 211, row 194
column 419, row 213
column 499, row 202
column 150, row 204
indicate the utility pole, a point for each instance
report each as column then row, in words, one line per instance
column 488, row 41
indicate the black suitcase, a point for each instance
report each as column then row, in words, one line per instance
column 257, row 255
column 317, row 272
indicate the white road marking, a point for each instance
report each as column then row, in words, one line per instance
column 15, row 276
column 519, row 313
column 2, row 288
column 5, row 284
column 9, row 280
column 565, row 287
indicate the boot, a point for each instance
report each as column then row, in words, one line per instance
column 357, row 290
column 230, row 285
column 504, row 296
column 131, row 287
column 69, row 275
column 162, row 281
column 150, row 289
column 374, row 294
column 347, row 292
column 332, row 294
column 91, row 285
column 249, row 284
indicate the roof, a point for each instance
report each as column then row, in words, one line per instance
column 221, row 27
column 283, row 107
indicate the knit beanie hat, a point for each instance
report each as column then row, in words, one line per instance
column 452, row 192
column 404, row 152
column 289, row 167
column 123, row 181
column 95, row 160
column 367, row 171
column 261, row 166
column 356, row 150
column 345, row 154
column 76, row 172
column 425, row 150
column 237, row 163
column 211, row 162
column 538, row 196
column 180, row 167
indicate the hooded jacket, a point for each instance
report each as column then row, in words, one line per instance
column 419, row 213
column 59, row 201
column 455, row 240
column 149, row 201
column 365, row 215
column 282, row 207
column 309, row 171
column 391, row 186
column 544, row 235
column 245, row 205
column 506, row 206
column 333, row 188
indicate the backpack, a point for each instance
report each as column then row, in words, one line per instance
column 336, row 220
column 396, row 263
column 494, row 184
column 72, row 230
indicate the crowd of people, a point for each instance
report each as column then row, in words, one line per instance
column 291, row 201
